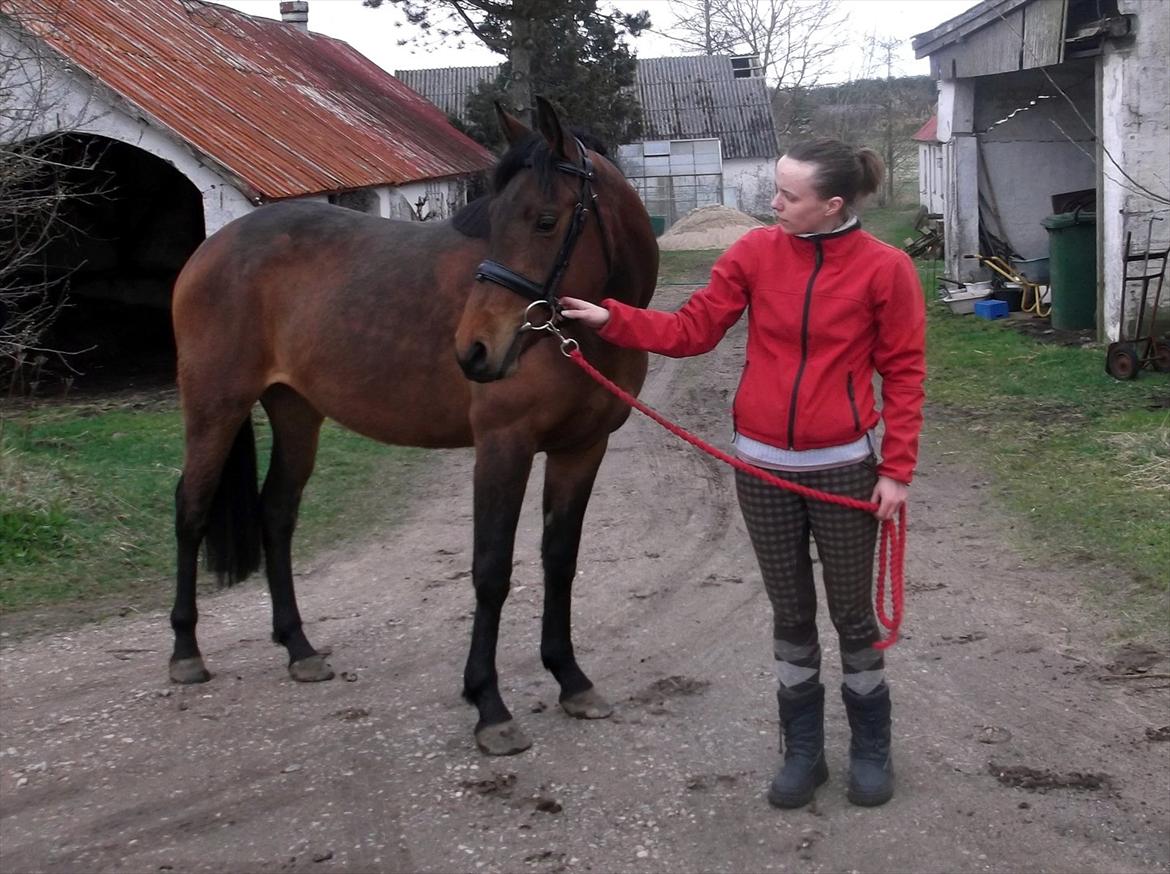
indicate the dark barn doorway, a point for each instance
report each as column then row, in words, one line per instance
column 119, row 244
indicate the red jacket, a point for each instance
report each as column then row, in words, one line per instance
column 824, row 314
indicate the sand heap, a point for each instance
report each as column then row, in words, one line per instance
column 708, row 227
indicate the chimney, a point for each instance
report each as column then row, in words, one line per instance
column 296, row 13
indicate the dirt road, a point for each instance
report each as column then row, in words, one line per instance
column 1025, row 736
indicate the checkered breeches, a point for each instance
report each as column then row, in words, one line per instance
column 780, row 522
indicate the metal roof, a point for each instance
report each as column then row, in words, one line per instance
column 287, row 112
column 696, row 97
column 682, row 98
column 449, row 88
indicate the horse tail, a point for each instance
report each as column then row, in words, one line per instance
column 232, row 541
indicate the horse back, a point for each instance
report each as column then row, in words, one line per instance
column 355, row 313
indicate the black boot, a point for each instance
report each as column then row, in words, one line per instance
column 871, row 771
column 802, row 725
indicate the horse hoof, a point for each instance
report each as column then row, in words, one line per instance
column 187, row 671
column 502, row 739
column 313, row 669
column 587, row 705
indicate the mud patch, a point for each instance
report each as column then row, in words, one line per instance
column 1041, row 779
column 351, row 714
column 706, row 782
column 497, row 785
column 1133, row 659
column 992, row 734
column 1158, row 734
column 669, row 687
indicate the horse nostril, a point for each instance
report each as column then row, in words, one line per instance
column 474, row 360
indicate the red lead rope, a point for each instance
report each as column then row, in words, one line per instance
column 892, row 551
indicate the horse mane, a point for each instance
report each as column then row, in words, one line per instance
column 532, row 152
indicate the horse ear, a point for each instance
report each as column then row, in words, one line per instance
column 514, row 129
column 559, row 139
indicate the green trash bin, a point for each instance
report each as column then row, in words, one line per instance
column 1072, row 269
column 658, row 223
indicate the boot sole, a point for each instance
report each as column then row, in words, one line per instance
column 862, row 799
column 788, row 802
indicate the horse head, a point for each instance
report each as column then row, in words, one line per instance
column 564, row 221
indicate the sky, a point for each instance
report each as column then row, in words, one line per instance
column 376, row 32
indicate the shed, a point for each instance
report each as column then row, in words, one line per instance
column 1047, row 103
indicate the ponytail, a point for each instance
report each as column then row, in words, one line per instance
column 842, row 170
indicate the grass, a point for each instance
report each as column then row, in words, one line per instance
column 86, row 501
column 1080, row 456
column 1080, row 459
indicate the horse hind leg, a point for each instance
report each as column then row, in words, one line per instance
column 215, row 500
column 296, row 426
column 568, row 483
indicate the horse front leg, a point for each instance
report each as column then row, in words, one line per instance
column 568, row 483
column 501, row 474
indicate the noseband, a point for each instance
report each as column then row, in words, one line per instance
column 494, row 271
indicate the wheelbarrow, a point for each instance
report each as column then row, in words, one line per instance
column 1126, row 357
column 1031, row 300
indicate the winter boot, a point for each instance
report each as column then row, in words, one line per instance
column 802, row 724
column 871, row 771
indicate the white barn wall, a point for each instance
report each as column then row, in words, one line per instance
column 749, row 184
column 1135, row 130
column 930, row 177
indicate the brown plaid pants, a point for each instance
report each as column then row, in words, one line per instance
column 780, row 522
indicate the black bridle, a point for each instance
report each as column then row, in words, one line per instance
column 494, row 271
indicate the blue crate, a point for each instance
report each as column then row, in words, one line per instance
column 991, row 309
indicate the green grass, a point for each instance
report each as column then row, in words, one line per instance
column 86, row 501
column 1083, row 458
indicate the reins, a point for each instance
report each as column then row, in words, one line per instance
column 892, row 548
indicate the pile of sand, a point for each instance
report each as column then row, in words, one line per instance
column 708, row 227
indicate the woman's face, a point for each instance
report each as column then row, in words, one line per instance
column 798, row 207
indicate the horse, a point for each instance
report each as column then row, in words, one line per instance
column 417, row 334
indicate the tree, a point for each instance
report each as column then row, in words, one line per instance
column 43, row 167
column 542, row 41
column 584, row 68
column 793, row 39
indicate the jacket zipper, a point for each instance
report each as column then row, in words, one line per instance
column 852, row 401
column 820, row 258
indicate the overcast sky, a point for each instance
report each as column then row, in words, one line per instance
column 376, row 32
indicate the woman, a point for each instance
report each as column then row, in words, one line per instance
column 828, row 306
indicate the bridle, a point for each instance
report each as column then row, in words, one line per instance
column 546, row 295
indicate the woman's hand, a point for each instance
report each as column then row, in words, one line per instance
column 582, row 311
column 889, row 495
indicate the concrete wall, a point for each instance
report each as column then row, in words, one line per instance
column 749, row 184
column 1135, row 135
column 1031, row 151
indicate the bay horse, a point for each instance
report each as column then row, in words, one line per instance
column 411, row 333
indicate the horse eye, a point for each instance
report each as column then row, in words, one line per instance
column 546, row 222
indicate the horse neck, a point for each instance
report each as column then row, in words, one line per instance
column 633, row 247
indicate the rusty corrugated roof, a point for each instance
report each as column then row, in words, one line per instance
column 286, row 112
